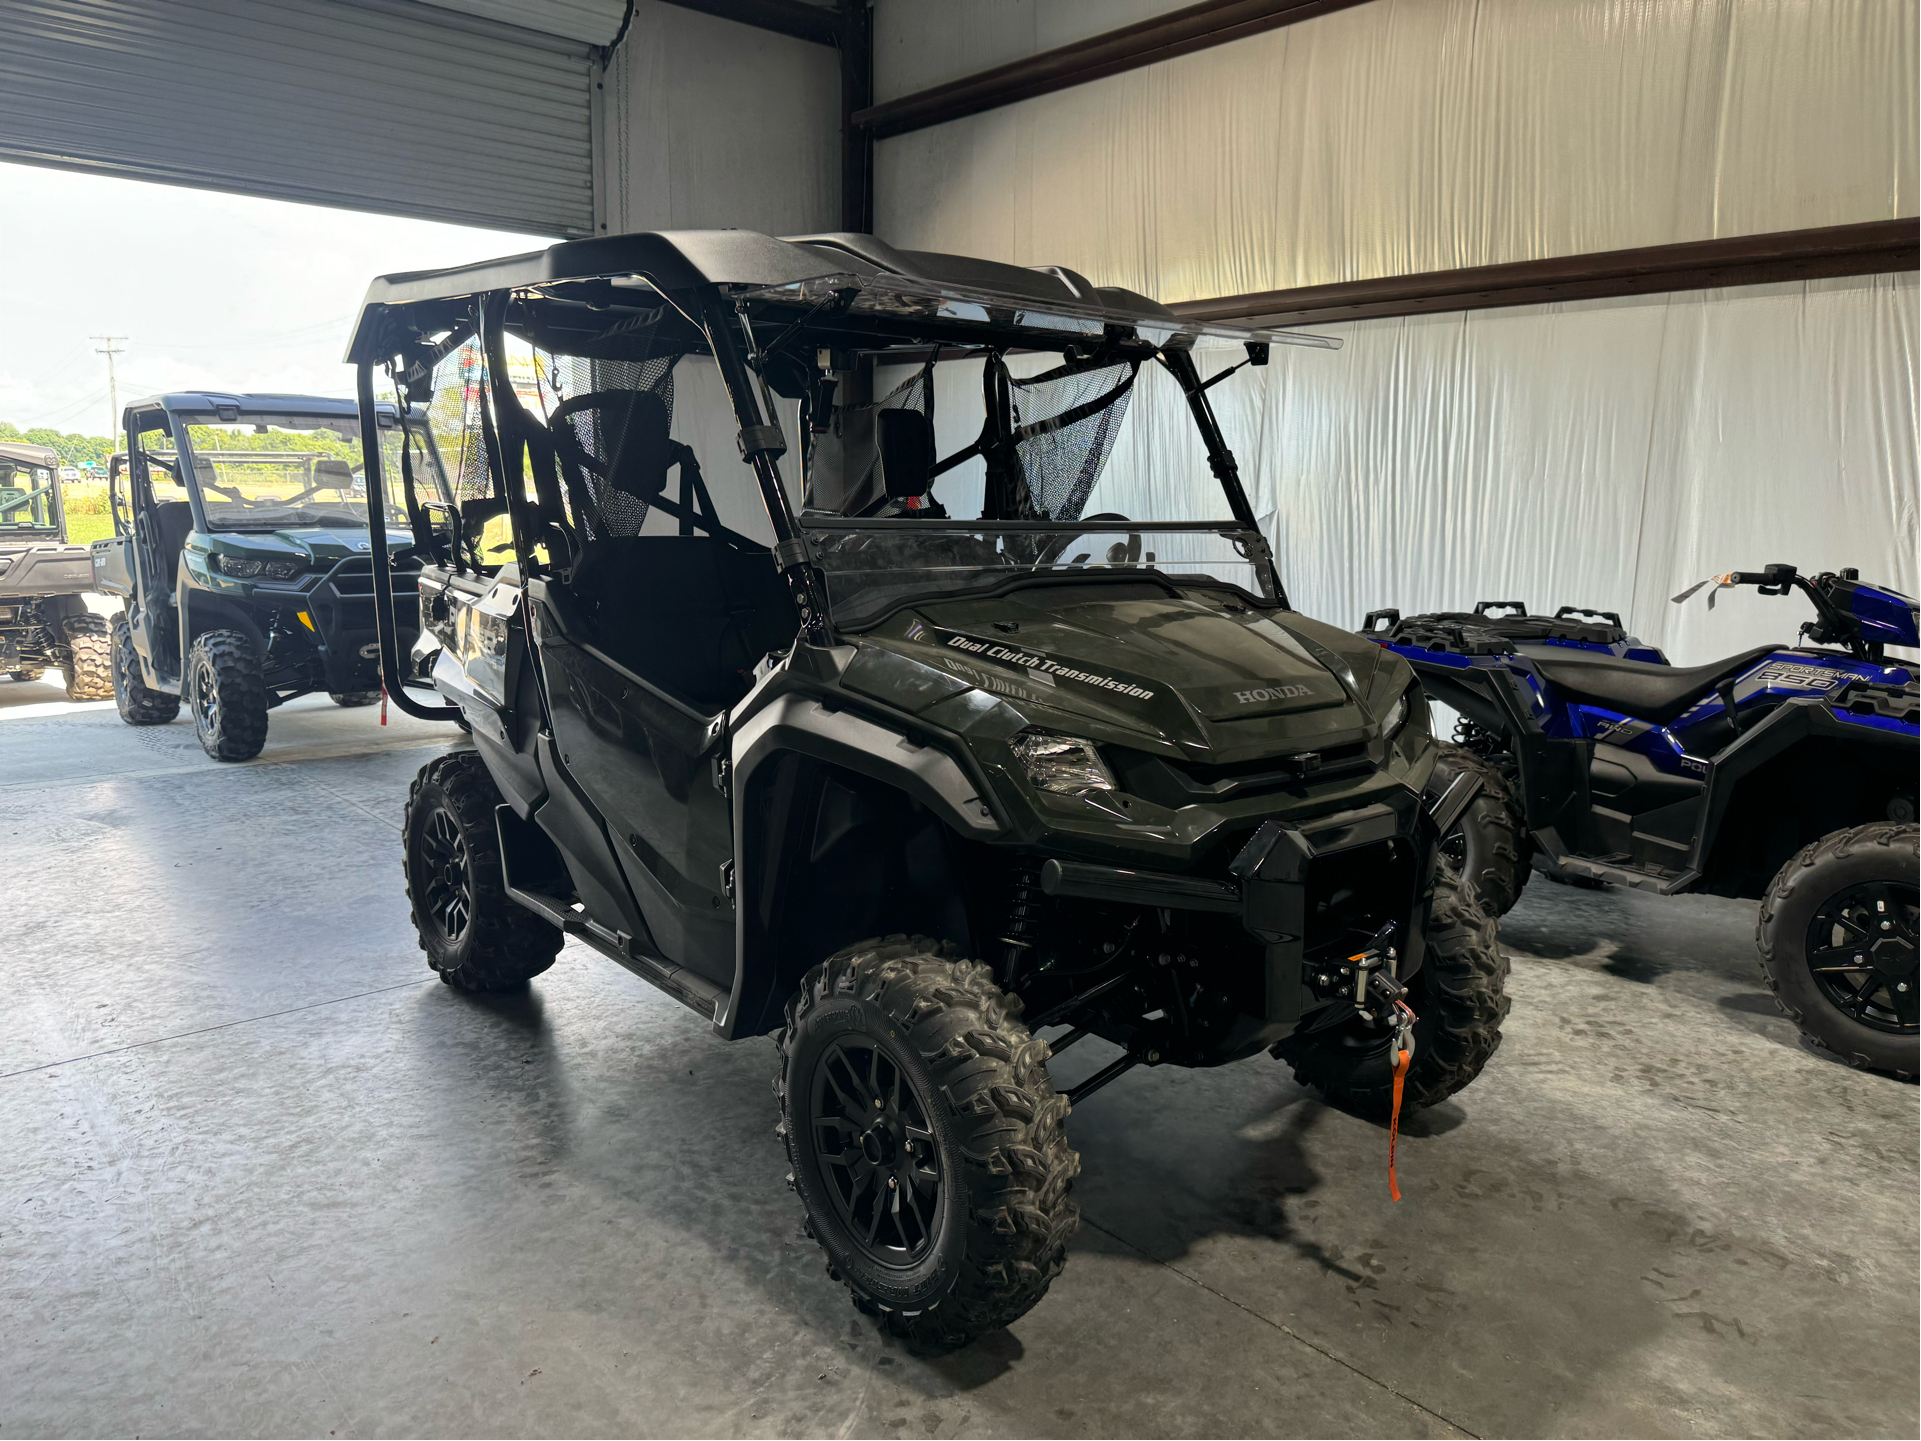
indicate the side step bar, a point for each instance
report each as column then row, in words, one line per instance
column 690, row 988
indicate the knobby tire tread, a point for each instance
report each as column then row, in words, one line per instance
column 1009, row 1120
column 507, row 944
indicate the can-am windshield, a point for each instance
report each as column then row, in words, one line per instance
column 26, row 496
column 279, row 472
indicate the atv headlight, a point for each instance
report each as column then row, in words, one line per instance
column 238, row 566
column 1066, row 764
column 282, row 569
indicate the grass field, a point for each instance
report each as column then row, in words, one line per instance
column 83, row 529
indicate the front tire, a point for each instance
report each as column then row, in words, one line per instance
column 228, row 696
column 1489, row 844
column 1459, row 995
column 89, row 672
column 1837, row 937
column 476, row 939
column 947, row 1213
column 352, row 698
column 25, row 675
column 138, row 703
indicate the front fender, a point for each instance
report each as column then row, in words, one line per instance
column 800, row 725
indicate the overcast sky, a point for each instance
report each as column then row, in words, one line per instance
column 212, row 291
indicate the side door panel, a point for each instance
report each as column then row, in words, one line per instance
column 650, row 763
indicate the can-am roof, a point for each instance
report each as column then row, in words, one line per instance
column 250, row 403
column 765, row 266
column 29, row 454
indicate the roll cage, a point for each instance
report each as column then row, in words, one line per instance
column 761, row 309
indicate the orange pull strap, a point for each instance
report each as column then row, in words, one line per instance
column 1394, row 1121
column 383, row 702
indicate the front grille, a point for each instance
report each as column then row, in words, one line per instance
column 1175, row 783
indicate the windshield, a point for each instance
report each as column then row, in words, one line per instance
column 958, row 471
column 273, row 472
column 26, row 496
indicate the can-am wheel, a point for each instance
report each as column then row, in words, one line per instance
column 1460, row 996
column 1837, row 937
column 89, row 671
column 25, row 675
column 927, row 1142
column 138, row 703
column 227, row 695
column 352, row 698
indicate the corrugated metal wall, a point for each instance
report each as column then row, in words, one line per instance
column 1603, row 453
column 373, row 104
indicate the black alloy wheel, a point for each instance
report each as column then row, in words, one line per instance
column 877, row 1151
column 1861, row 949
column 447, row 895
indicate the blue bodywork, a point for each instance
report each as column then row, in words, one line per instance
column 1672, row 779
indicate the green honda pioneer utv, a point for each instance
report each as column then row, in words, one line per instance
column 44, row 622
column 241, row 547
column 983, row 716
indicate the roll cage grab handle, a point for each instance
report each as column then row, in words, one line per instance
column 392, row 681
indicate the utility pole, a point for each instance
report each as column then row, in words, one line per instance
column 113, row 383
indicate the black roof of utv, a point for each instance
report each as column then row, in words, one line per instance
column 683, row 259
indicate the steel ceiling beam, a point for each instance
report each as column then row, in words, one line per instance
column 1212, row 22
column 793, row 18
column 1869, row 248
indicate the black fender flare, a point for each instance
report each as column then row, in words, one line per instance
column 799, row 724
column 201, row 612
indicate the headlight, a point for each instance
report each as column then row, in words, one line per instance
column 239, row 567
column 282, row 569
column 1398, row 713
column 1065, row 764
column 244, row 567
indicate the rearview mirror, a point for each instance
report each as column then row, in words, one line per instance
column 906, row 443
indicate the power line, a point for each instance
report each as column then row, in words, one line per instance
column 113, row 383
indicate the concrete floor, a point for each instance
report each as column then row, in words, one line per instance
column 260, row 1174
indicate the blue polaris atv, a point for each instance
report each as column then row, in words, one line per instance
column 1784, row 773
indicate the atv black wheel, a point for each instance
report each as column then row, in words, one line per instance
column 1489, row 844
column 474, row 936
column 1460, row 997
column 138, row 703
column 25, row 675
column 927, row 1142
column 1837, row 937
column 354, row 697
column 228, row 696
column 89, row 674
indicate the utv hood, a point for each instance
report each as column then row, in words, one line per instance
column 320, row 547
column 1137, row 654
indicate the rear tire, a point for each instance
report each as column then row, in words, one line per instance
column 1460, row 997
column 966, row 1125
column 138, row 703
column 89, row 674
column 354, row 697
column 25, row 675
column 1849, row 896
column 476, row 939
column 1489, row 843
column 227, row 695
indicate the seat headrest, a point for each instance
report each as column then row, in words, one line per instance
column 334, row 473
column 619, row 435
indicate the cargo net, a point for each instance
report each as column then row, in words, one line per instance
column 1065, row 424
column 610, row 421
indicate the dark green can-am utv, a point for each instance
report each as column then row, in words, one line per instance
column 241, row 547
column 884, row 657
column 44, row 620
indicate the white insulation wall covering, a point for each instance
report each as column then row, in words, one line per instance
column 710, row 123
column 1604, row 453
column 1412, row 135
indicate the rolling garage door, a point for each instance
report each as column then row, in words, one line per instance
column 385, row 105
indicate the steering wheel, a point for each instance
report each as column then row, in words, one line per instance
column 1130, row 554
